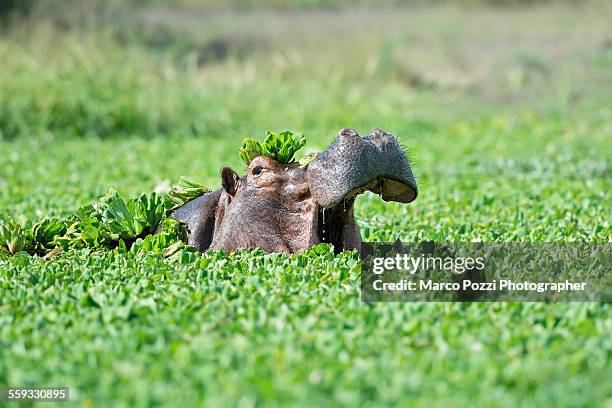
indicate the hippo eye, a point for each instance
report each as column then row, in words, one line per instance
column 257, row 170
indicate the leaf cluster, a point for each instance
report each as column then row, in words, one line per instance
column 278, row 146
column 39, row 239
column 112, row 219
column 186, row 191
column 110, row 222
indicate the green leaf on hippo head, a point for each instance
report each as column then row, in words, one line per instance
column 278, row 146
column 249, row 150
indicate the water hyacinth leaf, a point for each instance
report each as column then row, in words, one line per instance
column 186, row 191
column 278, row 146
column 46, row 231
column 250, row 149
column 150, row 210
column 172, row 235
column 118, row 217
column 111, row 219
column 13, row 237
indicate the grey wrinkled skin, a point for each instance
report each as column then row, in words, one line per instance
column 376, row 163
column 287, row 208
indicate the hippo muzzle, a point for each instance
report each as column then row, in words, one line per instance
column 288, row 208
column 351, row 165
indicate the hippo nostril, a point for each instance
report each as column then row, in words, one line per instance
column 377, row 132
column 348, row 132
column 380, row 135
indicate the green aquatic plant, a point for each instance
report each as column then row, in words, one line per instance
column 185, row 191
column 112, row 221
column 13, row 237
column 278, row 146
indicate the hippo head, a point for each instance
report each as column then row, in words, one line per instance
column 288, row 208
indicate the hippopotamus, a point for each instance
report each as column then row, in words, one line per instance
column 288, row 207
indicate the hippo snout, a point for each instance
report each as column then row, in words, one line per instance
column 352, row 164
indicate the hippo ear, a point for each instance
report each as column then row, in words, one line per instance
column 229, row 180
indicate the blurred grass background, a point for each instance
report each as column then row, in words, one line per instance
column 151, row 68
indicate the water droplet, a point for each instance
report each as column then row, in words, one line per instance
column 323, row 218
